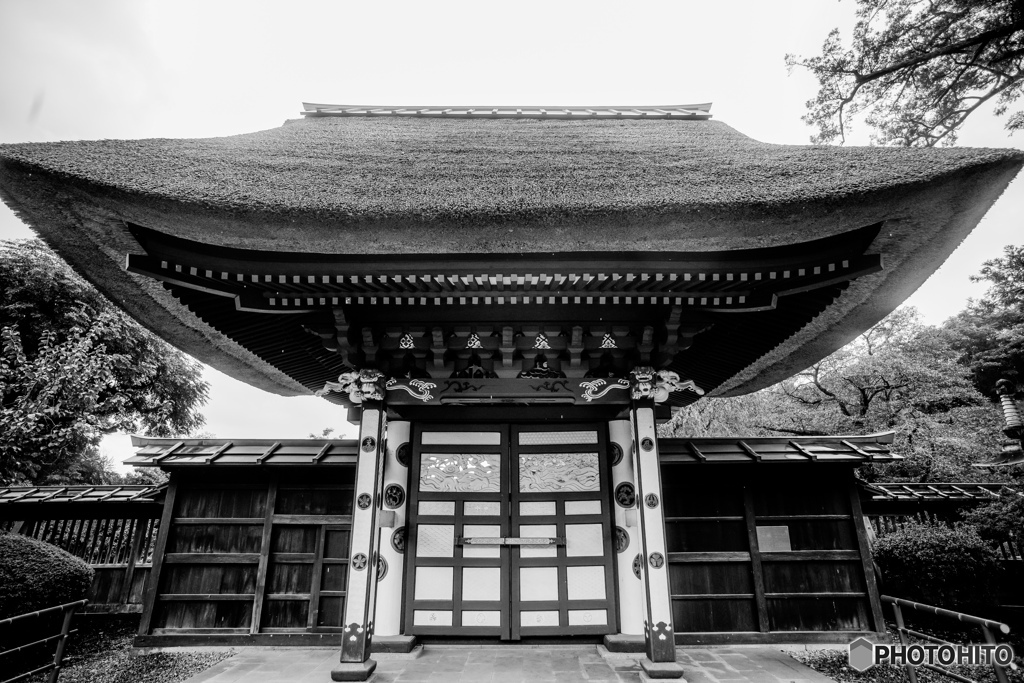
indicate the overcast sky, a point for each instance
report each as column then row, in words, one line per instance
column 71, row 69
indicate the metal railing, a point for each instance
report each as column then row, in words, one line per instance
column 987, row 626
column 61, row 639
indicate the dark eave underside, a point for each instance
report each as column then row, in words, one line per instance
column 706, row 315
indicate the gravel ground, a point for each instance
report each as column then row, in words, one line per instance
column 835, row 665
column 101, row 653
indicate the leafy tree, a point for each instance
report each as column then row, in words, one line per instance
column 916, row 69
column 72, row 368
column 899, row 375
column 736, row 416
column 989, row 333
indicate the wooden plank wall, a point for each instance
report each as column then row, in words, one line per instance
column 256, row 553
column 764, row 552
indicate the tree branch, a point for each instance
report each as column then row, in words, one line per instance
column 952, row 48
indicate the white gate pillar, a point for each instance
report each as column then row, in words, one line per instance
column 659, row 635
column 390, row 571
column 360, row 595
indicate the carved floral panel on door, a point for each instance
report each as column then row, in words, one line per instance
column 563, row 472
column 466, row 472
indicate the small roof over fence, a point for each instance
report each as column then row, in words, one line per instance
column 960, row 491
column 821, row 449
column 154, row 452
column 81, row 494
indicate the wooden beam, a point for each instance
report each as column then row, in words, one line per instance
column 322, row 453
column 24, row 494
column 803, row 451
column 83, row 493
column 163, row 456
column 696, row 451
column 756, row 568
column 261, row 572
column 750, row 451
column 729, row 556
column 867, row 565
column 206, row 597
column 153, row 580
column 267, row 453
column 52, row 494
column 313, row 611
column 111, row 493
column 133, row 557
column 805, row 555
column 856, row 449
column 211, row 558
column 219, row 452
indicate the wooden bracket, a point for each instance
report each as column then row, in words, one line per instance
column 344, row 346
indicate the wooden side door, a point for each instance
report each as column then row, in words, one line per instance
column 456, row 582
column 558, row 490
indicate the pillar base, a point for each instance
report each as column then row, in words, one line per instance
column 660, row 670
column 624, row 642
column 393, row 644
column 353, row 671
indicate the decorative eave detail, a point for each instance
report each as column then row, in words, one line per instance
column 615, row 311
column 598, row 391
column 685, row 112
column 741, row 281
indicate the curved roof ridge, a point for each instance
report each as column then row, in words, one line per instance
column 691, row 112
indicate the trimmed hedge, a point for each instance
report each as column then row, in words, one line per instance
column 950, row 567
column 36, row 575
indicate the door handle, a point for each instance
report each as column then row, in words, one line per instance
column 480, row 540
column 535, row 540
column 511, row 540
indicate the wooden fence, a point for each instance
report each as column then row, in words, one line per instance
column 119, row 549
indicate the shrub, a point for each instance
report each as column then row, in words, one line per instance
column 950, row 567
column 36, row 575
column 999, row 521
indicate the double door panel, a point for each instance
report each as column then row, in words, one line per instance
column 512, row 535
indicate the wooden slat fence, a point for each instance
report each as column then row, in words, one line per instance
column 119, row 549
column 97, row 541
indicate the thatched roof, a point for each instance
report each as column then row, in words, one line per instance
column 390, row 185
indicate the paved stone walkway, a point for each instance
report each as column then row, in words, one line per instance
column 510, row 664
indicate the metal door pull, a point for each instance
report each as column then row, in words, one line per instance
column 550, row 540
column 480, row 540
column 509, row 540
